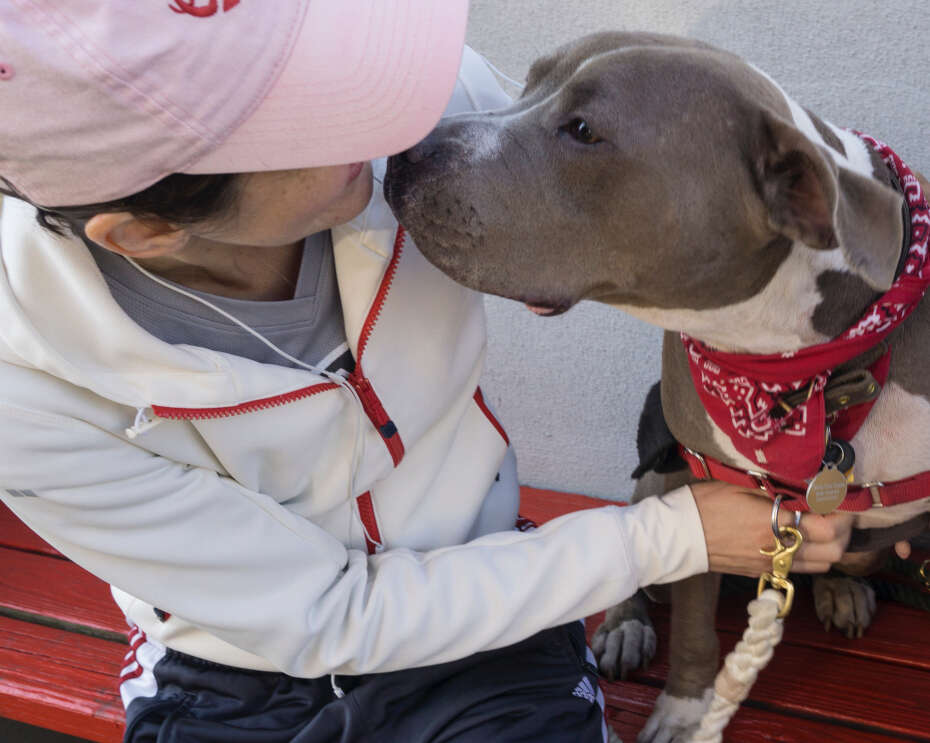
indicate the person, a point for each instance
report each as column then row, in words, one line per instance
column 231, row 387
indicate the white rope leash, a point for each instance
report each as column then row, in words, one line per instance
column 741, row 667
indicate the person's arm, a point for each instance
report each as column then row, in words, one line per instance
column 248, row 570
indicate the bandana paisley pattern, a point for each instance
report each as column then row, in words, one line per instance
column 741, row 391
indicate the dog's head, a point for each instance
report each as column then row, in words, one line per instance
column 640, row 170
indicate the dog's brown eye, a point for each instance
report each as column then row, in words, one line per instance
column 581, row 131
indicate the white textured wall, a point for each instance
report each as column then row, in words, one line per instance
column 569, row 389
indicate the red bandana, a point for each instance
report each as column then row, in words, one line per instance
column 740, row 391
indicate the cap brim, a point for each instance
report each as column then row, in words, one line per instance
column 365, row 79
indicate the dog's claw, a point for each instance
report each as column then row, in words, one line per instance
column 845, row 603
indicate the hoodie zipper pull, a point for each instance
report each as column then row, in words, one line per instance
column 146, row 420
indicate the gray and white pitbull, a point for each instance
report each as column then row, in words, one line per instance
column 675, row 181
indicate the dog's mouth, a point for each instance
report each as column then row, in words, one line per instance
column 548, row 309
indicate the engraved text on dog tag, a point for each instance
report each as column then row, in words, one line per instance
column 827, row 490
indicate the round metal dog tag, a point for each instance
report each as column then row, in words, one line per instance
column 827, row 490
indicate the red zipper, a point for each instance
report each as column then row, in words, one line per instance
column 375, row 312
column 375, row 411
column 379, row 417
column 370, row 401
column 246, row 407
column 366, row 509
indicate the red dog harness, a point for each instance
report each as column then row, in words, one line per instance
column 859, row 497
column 744, row 394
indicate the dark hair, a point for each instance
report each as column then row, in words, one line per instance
column 178, row 198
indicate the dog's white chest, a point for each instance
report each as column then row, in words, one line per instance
column 893, row 443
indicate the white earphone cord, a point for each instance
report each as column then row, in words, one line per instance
column 335, row 378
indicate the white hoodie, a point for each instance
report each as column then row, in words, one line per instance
column 282, row 521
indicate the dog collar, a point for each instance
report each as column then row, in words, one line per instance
column 859, row 498
column 744, row 394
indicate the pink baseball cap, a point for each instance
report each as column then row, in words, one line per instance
column 102, row 98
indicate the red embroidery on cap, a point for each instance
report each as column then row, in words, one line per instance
column 6, row 71
column 190, row 7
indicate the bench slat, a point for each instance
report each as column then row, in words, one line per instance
column 544, row 505
column 60, row 681
column 43, row 585
column 15, row 534
column 886, row 640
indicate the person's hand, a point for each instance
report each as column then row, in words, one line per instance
column 738, row 523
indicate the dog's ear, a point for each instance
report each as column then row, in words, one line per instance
column 809, row 198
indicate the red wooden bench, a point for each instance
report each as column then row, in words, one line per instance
column 62, row 644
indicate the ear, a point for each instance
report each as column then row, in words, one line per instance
column 122, row 233
column 810, row 199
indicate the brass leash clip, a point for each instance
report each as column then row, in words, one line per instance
column 782, row 559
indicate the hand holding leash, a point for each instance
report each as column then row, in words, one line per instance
column 736, row 521
column 753, row 652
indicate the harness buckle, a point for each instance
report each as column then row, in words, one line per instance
column 876, row 494
column 699, row 457
column 762, row 482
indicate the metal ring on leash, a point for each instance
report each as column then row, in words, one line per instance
column 776, row 506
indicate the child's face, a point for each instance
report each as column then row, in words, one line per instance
column 278, row 208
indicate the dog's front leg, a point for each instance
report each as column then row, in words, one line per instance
column 694, row 656
column 626, row 640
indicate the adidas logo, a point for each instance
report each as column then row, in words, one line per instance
column 585, row 690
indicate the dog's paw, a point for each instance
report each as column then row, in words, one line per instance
column 626, row 641
column 675, row 719
column 623, row 647
column 845, row 603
